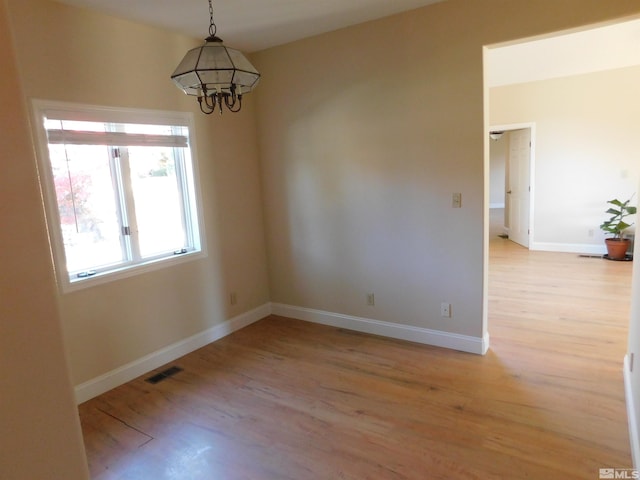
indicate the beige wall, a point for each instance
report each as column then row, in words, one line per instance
column 40, row 432
column 365, row 133
column 587, row 147
column 72, row 54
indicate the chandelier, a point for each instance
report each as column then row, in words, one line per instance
column 218, row 75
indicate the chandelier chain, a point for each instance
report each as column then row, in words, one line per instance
column 212, row 25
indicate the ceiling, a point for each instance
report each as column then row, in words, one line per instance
column 252, row 25
column 592, row 50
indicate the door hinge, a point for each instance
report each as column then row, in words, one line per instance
column 126, row 231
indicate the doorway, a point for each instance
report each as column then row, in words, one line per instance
column 511, row 187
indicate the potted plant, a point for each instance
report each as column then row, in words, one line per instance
column 617, row 246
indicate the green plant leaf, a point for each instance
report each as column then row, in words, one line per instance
column 622, row 226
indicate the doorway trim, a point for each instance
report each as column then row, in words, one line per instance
column 532, row 127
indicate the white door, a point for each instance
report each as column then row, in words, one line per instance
column 518, row 188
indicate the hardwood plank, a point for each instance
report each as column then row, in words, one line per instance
column 108, row 437
column 285, row 399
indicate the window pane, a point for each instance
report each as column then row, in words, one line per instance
column 83, row 126
column 158, row 201
column 152, row 129
column 53, row 124
column 87, row 206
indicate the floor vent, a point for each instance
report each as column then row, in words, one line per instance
column 158, row 377
column 589, row 256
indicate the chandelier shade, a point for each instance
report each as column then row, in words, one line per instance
column 214, row 67
column 216, row 74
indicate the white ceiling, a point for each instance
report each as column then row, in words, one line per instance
column 597, row 49
column 252, row 25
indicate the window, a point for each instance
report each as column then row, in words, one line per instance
column 120, row 190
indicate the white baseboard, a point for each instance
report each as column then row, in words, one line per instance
column 99, row 385
column 583, row 248
column 496, row 205
column 114, row 378
column 634, row 435
column 426, row 336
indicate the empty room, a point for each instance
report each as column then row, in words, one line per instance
column 294, row 275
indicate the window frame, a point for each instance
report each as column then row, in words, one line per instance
column 189, row 183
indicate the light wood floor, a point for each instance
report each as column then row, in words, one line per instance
column 284, row 399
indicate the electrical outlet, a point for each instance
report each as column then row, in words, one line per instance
column 233, row 298
column 456, row 200
column 591, row 232
column 445, row 310
column 371, row 299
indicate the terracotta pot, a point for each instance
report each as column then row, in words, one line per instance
column 617, row 248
